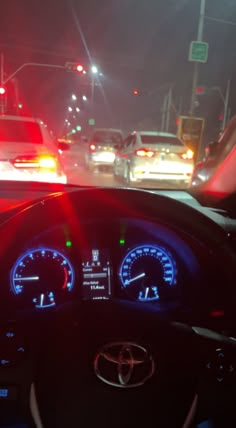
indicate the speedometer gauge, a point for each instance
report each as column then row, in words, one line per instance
column 146, row 272
column 42, row 275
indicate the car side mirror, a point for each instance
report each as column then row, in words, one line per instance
column 118, row 146
column 211, row 149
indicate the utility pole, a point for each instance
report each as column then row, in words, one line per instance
column 169, row 105
column 226, row 105
column 163, row 117
column 196, row 64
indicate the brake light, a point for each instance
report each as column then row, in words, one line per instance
column 47, row 162
column 92, row 147
column 187, row 155
column 145, row 153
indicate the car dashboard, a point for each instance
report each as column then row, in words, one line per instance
column 137, row 260
column 70, row 259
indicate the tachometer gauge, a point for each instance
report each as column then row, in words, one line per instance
column 147, row 271
column 41, row 275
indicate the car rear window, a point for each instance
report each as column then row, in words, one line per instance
column 158, row 139
column 107, row 137
column 17, row 131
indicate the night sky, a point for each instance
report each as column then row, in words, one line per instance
column 136, row 44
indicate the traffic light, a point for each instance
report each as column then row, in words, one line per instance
column 178, row 121
column 136, row 92
column 74, row 67
column 2, row 90
column 199, row 90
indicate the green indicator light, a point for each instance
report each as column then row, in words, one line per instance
column 122, row 241
column 68, row 243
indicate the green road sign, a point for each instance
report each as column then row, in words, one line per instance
column 91, row 122
column 198, row 52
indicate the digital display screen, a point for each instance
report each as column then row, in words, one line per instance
column 96, row 271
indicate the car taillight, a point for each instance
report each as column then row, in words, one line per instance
column 47, row 162
column 92, row 147
column 145, row 153
column 187, row 155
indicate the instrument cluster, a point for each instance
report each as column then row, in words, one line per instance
column 140, row 266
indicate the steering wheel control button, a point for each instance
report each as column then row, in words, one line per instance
column 124, row 364
column 12, row 347
column 220, row 366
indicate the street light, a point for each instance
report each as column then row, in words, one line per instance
column 77, row 109
column 94, row 69
column 74, row 97
column 84, row 98
column 70, row 109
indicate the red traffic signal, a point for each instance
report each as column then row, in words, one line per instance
column 199, row 90
column 136, row 92
column 80, row 68
column 74, row 66
column 2, row 90
column 178, row 121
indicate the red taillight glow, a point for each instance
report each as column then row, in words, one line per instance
column 92, row 147
column 47, row 162
column 144, row 153
column 187, row 155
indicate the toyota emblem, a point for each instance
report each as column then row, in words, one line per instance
column 124, row 364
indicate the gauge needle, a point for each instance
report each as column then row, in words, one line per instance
column 128, row 281
column 146, row 292
column 27, row 278
column 41, row 299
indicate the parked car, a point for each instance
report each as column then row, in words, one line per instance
column 102, row 147
column 28, row 151
column 148, row 156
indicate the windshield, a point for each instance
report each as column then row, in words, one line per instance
column 107, row 137
column 20, row 132
column 111, row 79
column 153, row 139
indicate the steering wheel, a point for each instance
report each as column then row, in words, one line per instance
column 114, row 363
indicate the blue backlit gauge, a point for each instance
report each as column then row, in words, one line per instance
column 42, row 275
column 146, row 272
